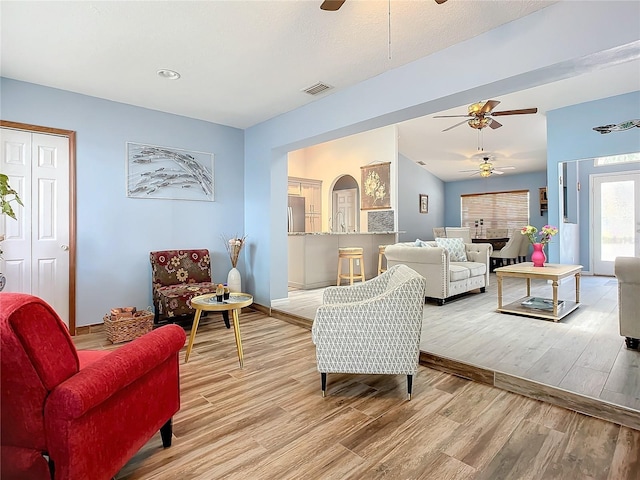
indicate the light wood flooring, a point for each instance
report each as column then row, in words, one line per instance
column 583, row 354
column 269, row 421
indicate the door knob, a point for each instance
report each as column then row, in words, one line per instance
column 64, row 247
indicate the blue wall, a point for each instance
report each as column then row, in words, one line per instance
column 524, row 181
column 412, row 181
column 114, row 233
column 570, row 136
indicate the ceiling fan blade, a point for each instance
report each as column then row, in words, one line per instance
column 452, row 116
column 494, row 124
column 331, row 5
column 488, row 106
column 508, row 167
column 522, row 111
column 454, row 126
column 498, row 172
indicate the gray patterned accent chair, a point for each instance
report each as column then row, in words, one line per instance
column 371, row 327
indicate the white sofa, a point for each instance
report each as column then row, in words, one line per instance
column 627, row 270
column 444, row 277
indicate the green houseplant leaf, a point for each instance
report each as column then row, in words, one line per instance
column 5, row 197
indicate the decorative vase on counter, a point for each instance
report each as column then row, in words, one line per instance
column 538, row 257
column 234, row 281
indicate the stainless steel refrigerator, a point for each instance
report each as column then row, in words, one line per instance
column 295, row 214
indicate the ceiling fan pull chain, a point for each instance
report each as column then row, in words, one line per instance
column 389, row 29
column 480, row 141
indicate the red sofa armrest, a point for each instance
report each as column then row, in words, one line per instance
column 98, row 381
column 20, row 463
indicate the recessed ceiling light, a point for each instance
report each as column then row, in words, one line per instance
column 170, row 74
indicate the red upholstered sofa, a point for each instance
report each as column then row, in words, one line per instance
column 177, row 276
column 69, row 414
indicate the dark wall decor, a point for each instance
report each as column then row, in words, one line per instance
column 424, row 203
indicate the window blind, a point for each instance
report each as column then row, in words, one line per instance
column 496, row 210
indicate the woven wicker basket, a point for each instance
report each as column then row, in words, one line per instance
column 123, row 329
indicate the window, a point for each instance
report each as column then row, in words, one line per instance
column 615, row 159
column 497, row 210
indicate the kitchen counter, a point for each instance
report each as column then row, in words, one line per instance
column 313, row 257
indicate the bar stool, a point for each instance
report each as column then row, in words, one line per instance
column 351, row 254
column 381, row 249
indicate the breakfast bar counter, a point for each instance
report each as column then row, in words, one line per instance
column 313, row 257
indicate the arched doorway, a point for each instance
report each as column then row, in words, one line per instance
column 345, row 205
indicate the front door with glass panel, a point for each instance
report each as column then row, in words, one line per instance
column 616, row 219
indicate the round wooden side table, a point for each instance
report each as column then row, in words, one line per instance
column 208, row 303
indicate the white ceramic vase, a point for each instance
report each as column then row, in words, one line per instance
column 234, row 281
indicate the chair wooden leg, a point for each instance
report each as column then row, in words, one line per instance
column 409, row 385
column 323, row 381
column 166, row 431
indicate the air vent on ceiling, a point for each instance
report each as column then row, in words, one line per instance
column 317, row 88
column 420, row 162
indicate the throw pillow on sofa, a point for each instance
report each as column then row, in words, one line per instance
column 421, row 243
column 455, row 247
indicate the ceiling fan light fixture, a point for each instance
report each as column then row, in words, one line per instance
column 475, row 108
column 479, row 122
column 481, row 115
column 485, row 173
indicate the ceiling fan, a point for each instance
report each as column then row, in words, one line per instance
column 333, row 5
column 481, row 113
column 485, row 169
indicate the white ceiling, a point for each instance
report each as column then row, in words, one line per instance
column 243, row 62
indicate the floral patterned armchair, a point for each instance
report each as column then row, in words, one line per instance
column 177, row 276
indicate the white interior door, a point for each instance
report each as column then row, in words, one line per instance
column 344, row 210
column 16, row 164
column 36, row 246
column 615, row 219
